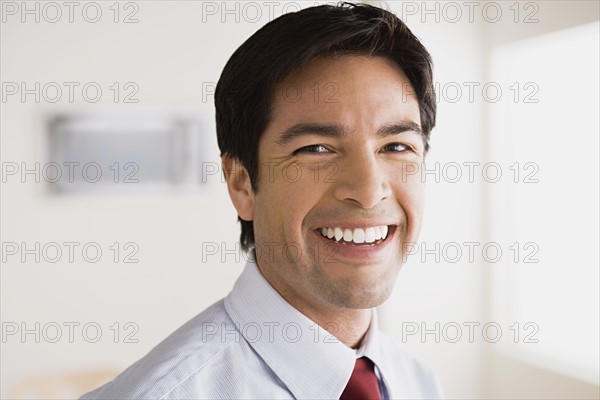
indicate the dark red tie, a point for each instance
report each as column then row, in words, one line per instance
column 363, row 382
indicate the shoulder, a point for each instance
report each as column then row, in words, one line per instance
column 410, row 377
column 195, row 347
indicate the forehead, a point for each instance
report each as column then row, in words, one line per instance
column 359, row 92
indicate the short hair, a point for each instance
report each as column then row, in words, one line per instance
column 244, row 93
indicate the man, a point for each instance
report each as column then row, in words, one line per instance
column 321, row 115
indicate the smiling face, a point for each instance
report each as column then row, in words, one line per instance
column 336, row 202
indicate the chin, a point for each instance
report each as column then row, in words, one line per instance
column 367, row 300
column 357, row 295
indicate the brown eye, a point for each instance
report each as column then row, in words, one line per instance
column 397, row 147
column 315, row 148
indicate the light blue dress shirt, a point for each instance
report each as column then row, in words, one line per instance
column 254, row 345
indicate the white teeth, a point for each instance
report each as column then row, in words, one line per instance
column 377, row 233
column 338, row 234
column 384, row 231
column 356, row 235
column 370, row 235
column 347, row 235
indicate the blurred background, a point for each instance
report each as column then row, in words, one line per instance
column 116, row 227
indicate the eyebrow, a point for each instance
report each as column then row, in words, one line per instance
column 337, row 131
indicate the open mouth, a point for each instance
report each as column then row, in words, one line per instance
column 371, row 236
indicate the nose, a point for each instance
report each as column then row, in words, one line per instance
column 362, row 180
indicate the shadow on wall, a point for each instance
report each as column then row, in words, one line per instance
column 60, row 386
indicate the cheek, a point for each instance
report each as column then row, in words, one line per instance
column 284, row 198
column 410, row 193
column 414, row 193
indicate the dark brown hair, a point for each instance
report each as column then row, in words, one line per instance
column 244, row 93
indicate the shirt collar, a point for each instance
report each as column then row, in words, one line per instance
column 371, row 347
column 307, row 358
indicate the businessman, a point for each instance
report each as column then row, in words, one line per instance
column 320, row 116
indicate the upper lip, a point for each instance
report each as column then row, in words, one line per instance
column 353, row 225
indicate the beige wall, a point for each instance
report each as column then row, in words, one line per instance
column 517, row 380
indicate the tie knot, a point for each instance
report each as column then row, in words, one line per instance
column 363, row 383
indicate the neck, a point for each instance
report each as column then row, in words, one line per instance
column 348, row 325
column 349, row 328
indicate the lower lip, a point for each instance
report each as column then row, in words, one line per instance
column 356, row 252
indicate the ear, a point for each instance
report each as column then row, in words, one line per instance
column 239, row 187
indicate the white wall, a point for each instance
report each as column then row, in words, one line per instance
column 558, row 214
column 169, row 54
